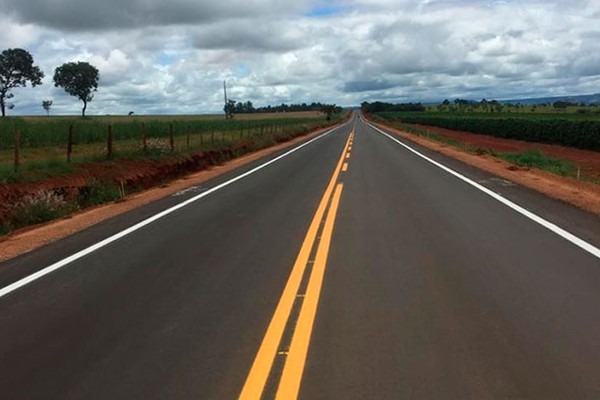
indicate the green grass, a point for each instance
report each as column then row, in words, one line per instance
column 537, row 159
column 528, row 158
column 40, row 163
column 43, row 141
column 34, row 171
column 96, row 193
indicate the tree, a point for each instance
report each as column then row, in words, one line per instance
column 79, row 79
column 47, row 104
column 328, row 109
column 229, row 108
column 16, row 69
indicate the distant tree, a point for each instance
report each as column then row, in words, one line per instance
column 130, row 113
column 47, row 104
column 16, row 69
column 562, row 105
column 79, row 79
column 328, row 109
column 229, row 109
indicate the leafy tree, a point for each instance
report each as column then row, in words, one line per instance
column 229, row 109
column 47, row 104
column 79, row 79
column 16, row 69
column 328, row 109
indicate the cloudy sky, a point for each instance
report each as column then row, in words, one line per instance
column 160, row 57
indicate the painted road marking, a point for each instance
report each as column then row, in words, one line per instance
column 345, row 167
column 294, row 364
column 348, row 155
column 590, row 248
column 66, row 261
column 263, row 363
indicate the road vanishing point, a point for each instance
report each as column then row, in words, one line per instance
column 355, row 265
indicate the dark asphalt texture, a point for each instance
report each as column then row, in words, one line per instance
column 433, row 290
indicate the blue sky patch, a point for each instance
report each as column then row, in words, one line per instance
column 324, row 11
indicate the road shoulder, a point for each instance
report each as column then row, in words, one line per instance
column 31, row 238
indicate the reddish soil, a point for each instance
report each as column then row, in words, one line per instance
column 134, row 173
column 588, row 161
column 585, row 195
column 131, row 174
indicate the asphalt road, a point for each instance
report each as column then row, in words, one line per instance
column 351, row 268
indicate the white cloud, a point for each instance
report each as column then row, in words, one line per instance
column 159, row 57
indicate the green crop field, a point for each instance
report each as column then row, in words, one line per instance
column 573, row 130
column 40, row 146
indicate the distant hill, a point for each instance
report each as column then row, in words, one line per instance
column 586, row 99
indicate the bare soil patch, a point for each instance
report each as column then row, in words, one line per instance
column 588, row 161
column 584, row 195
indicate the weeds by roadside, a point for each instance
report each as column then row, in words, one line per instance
column 35, row 209
column 97, row 193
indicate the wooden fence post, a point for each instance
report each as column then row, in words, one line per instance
column 17, row 148
column 171, row 140
column 144, row 137
column 109, row 143
column 70, row 143
column 188, row 137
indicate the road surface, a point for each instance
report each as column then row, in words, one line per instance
column 349, row 268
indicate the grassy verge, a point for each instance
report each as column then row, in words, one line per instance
column 187, row 155
column 527, row 158
column 48, row 205
column 43, row 149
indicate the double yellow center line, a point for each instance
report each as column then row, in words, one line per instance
column 289, row 383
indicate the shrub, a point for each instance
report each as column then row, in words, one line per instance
column 37, row 208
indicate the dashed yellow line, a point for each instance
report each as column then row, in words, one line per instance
column 345, row 167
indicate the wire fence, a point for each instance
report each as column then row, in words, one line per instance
column 27, row 146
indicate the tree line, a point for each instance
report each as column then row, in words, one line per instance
column 380, row 106
column 236, row 107
column 78, row 79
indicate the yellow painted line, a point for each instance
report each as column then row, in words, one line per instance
column 345, row 167
column 257, row 378
column 350, row 148
column 348, row 155
column 294, row 365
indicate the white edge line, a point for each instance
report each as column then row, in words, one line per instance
column 545, row 223
column 51, row 268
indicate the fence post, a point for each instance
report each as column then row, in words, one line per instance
column 17, row 148
column 171, row 140
column 109, row 143
column 70, row 143
column 188, row 137
column 144, row 137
